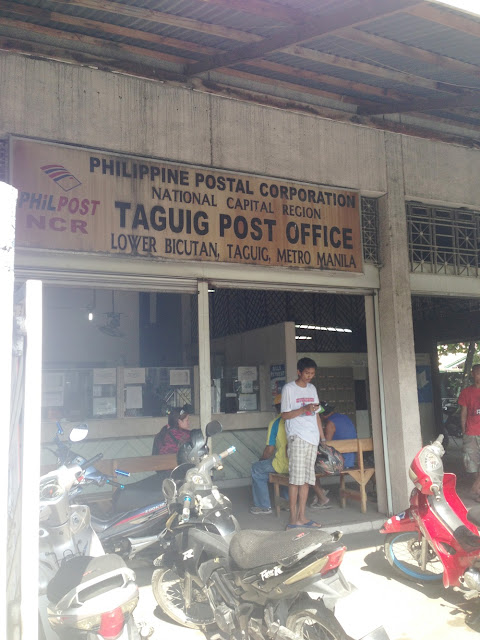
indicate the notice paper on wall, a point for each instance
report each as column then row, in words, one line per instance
column 104, row 406
column 247, row 402
column 247, row 386
column 105, row 376
column 179, row 377
column 133, row 397
column 134, row 375
column 247, row 373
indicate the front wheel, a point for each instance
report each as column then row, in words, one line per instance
column 311, row 620
column 404, row 553
column 169, row 591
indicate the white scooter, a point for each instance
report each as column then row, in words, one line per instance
column 84, row 594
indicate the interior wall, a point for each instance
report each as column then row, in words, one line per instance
column 358, row 363
column 70, row 339
column 261, row 347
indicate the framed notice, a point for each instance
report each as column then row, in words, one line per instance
column 247, row 402
column 104, row 406
column 179, row 377
column 105, row 376
column 134, row 375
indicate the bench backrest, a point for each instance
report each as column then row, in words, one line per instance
column 142, row 464
column 354, row 445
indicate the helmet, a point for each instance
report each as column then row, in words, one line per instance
column 329, row 460
column 327, row 408
column 194, row 449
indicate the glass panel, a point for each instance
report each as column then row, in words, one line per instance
column 164, row 387
column 79, row 394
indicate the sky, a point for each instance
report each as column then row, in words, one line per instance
column 467, row 5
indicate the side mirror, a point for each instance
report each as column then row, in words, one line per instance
column 78, row 433
column 213, row 428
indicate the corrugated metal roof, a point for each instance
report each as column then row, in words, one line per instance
column 375, row 58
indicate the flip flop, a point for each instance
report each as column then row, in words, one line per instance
column 308, row 525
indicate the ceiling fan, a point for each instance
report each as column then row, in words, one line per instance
column 111, row 327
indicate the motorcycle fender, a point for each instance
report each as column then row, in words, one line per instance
column 331, row 589
column 359, row 618
column 401, row 522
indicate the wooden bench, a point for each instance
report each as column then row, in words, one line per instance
column 359, row 473
column 142, row 464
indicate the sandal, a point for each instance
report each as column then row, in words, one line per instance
column 311, row 524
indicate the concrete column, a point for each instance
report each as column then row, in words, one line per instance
column 402, row 416
column 376, row 409
column 290, row 352
column 204, row 354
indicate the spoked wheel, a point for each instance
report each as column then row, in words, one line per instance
column 168, row 589
column 311, row 620
column 404, row 553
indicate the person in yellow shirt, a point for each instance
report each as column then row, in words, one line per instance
column 273, row 460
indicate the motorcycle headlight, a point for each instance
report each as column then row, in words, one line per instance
column 430, row 461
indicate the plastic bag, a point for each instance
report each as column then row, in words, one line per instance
column 329, row 460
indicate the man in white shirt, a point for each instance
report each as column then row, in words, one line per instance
column 300, row 410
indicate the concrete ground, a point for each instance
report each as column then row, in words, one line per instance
column 407, row 610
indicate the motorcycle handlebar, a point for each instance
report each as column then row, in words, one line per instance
column 187, row 504
column 114, row 483
column 92, row 461
column 227, row 452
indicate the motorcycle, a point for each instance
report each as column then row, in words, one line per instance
column 451, row 423
column 436, row 538
column 83, row 592
column 138, row 510
column 245, row 584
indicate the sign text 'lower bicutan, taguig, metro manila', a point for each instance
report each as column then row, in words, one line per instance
column 80, row 200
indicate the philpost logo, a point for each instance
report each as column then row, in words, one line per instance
column 61, row 176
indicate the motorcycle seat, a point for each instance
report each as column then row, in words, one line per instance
column 251, row 548
column 139, row 494
column 473, row 515
column 466, row 538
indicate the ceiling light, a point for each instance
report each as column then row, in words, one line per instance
column 317, row 328
column 303, row 338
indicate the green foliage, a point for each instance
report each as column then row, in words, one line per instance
column 460, row 348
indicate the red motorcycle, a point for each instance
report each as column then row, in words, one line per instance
column 436, row 537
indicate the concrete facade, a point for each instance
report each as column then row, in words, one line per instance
column 63, row 103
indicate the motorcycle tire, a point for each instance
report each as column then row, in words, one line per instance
column 454, row 429
column 311, row 619
column 402, row 550
column 446, row 438
column 167, row 588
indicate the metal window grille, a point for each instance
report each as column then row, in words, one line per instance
column 445, row 241
column 236, row 310
column 369, row 217
column 431, row 309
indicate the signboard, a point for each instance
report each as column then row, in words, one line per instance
column 81, row 200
